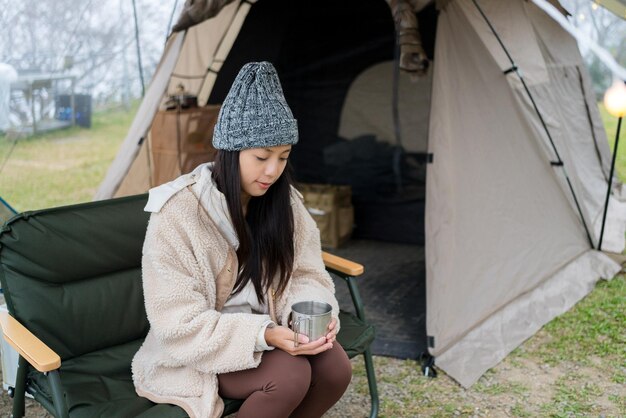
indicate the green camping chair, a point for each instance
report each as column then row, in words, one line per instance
column 72, row 283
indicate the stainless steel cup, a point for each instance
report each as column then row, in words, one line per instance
column 310, row 318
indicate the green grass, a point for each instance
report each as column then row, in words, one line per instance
column 518, row 410
column 501, row 388
column 572, row 399
column 589, row 337
column 593, row 329
column 620, row 401
column 62, row 167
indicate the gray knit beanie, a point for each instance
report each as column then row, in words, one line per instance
column 255, row 113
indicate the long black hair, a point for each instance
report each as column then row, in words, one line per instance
column 265, row 233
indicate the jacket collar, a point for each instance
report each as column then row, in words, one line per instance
column 210, row 198
column 214, row 203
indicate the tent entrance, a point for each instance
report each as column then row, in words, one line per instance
column 393, row 292
column 340, row 80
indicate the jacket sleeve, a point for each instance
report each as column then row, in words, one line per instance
column 310, row 280
column 180, row 302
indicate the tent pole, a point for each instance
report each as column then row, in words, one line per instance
column 559, row 162
column 139, row 64
column 610, row 182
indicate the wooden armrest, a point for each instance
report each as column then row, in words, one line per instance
column 39, row 355
column 342, row 265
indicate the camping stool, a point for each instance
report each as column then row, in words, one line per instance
column 72, row 282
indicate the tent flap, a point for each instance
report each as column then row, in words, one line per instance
column 491, row 341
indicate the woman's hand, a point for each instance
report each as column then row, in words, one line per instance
column 332, row 334
column 282, row 338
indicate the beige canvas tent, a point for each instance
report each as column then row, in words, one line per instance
column 506, row 126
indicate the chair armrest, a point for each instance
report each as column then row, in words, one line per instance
column 347, row 267
column 347, row 270
column 39, row 355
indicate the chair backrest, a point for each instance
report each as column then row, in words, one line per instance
column 73, row 274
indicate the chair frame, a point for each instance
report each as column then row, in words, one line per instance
column 349, row 271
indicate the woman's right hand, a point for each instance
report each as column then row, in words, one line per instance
column 282, row 338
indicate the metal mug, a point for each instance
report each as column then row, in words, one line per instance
column 310, row 318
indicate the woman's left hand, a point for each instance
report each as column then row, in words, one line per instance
column 331, row 336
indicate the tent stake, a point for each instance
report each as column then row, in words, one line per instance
column 610, row 182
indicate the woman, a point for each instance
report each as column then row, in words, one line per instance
column 229, row 249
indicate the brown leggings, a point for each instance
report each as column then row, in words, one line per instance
column 289, row 386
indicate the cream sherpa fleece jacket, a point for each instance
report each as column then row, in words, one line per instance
column 189, row 270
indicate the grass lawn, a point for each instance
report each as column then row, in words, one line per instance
column 61, row 167
column 575, row 366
